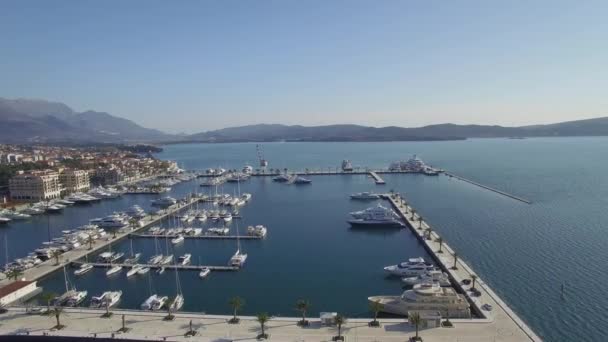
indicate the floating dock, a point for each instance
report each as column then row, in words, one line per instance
column 377, row 178
column 202, row 237
column 166, row 266
column 449, row 261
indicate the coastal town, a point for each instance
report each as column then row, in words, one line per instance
column 41, row 173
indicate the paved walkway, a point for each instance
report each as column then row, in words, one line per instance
column 151, row 326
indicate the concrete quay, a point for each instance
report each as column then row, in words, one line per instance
column 500, row 316
column 49, row 266
column 517, row 198
column 377, row 178
column 150, row 326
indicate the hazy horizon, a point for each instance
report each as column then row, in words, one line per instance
column 196, row 66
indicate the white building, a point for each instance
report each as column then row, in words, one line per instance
column 18, row 290
column 75, row 180
column 35, row 186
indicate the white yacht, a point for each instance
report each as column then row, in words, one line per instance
column 107, row 299
column 136, row 211
column 177, row 303
column 149, row 303
column 365, row 196
column 167, row 260
column 114, row 270
column 258, row 230
column 16, row 215
column 411, row 268
column 110, row 221
column 77, row 298
column 227, row 217
column 164, row 202
column 218, row 231
column 376, row 216
column 429, row 277
column 238, row 259
column 246, row 197
column 84, row 268
column 204, row 272
column 281, row 178
column 143, row 270
column 159, row 303
column 248, row 169
column 156, row 259
column 185, row 259
column 179, row 239
column 4, row 220
column 134, row 270
column 426, row 297
column 347, row 166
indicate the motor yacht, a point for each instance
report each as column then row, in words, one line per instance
column 347, row 166
column 4, row 219
column 136, row 211
column 218, row 231
column 258, row 230
column 411, row 268
column 435, row 276
column 204, row 272
column 302, row 180
column 84, row 268
column 365, row 196
column 375, row 216
column 426, row 296
column 164, row 202
column 111, row 221
column 281, row 178
column 185, row 259
column 114, row 270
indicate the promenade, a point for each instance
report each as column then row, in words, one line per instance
column 150, row 326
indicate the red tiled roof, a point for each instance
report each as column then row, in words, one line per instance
column 12, row 287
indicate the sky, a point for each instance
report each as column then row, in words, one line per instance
column 191, row 66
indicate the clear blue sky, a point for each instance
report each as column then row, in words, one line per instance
column 198, row 65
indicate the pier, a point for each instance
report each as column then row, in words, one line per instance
column 49, row 266
column 377, row 178
column 449, row 261
column 517, row 198
column 202, row 237
column 155, row 266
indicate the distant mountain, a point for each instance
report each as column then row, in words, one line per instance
column 267, row 132
column 25, row 120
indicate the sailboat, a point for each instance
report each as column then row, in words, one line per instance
column 134, row 258
column 113, row 269
column 71, row 297
column 178, row 302
column 148, row 304
column 158, row 257
column 238, row 259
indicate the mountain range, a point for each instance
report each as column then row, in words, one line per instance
column 29, row 121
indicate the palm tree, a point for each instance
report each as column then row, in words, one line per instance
column 428, row 233
column 236, row 303
column 124, row 328
column 375, row 307
column 169, row 304
column 14, row 274
column 57, row 311
column 114, row 233
column 133, row 223
column 419, row 221
column 262, row 318
column 339, row 321
column 107, row 314
column 90, row 241
column 473, row 278
column 303, row 306
column 455, row 260
column 440, row 240
column 48, row 298
column 56, row 253
column 415, row 319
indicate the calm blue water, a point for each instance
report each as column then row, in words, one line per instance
column 524, row 251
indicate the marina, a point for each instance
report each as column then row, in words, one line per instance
column 201, row 237
column 157, row 266
column 292, row 226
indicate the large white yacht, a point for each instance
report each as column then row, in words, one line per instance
column 110, row 221
column 426, row 296
column 347, row 166
column 435, row 276
column 378, row 215
column 164, row 202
